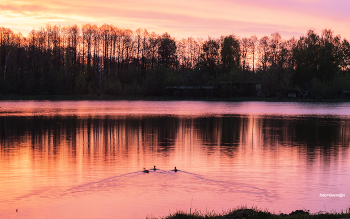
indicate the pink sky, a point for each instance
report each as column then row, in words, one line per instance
column 184, row 18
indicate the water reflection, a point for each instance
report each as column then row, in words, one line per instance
column 108, row 138
column 138, row 138
column 261, row 160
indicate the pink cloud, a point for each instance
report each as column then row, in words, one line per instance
column 183, row 18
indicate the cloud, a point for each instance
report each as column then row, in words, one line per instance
column 183, row 18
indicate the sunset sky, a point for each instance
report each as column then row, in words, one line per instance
column 184, row 18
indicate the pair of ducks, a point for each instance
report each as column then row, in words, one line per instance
column 154, row 169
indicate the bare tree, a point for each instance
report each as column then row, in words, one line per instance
column 153, row 48
column 244, row 51
column 253, row 47
column 263, row 49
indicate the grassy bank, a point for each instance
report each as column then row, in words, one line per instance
column 245, row 213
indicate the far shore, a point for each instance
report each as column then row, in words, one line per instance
column 163, row 98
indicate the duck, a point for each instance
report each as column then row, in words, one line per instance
column 145, row 171
column 175, row 169
column 154, row 168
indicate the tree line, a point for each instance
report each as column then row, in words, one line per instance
column 107, row 60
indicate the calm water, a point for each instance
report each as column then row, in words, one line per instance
column 84, row 159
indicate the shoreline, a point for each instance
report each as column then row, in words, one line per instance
column 163, row 98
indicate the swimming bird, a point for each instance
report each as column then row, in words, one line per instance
column 154, row 168
column 145, row 171
column 175, row 169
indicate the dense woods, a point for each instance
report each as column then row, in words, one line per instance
column 106, row 60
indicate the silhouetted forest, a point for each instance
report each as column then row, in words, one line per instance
column 106, row 60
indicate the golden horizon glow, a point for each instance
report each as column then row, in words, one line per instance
column 183, row 19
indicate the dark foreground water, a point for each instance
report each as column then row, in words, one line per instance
column 84, row 159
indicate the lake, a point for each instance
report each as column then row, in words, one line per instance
column 85, row 159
